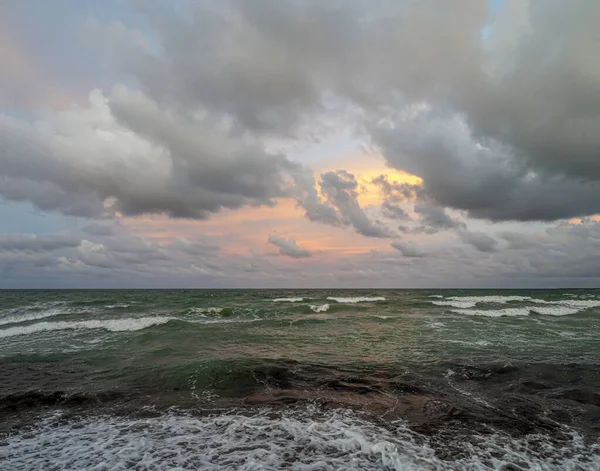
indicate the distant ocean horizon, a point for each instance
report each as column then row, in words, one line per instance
column 253, row 378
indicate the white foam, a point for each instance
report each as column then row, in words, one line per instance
column 555, row 310
column 273, row 441
column 358, row 299
column 460, row 304
column 288, row 300
column 436, row 296
column 117, row 306
column 112, row 325
column 206, row 310
column 490, row 299
column 581, row 303
column 321, row 308
column 507, row 312
column 32, row 316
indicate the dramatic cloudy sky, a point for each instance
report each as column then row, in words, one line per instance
column 299, row 143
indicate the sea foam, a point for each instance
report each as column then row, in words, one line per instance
column 32, row 316
column 358, row 299
column 320, row 308
column 112, row 325
column 288, row 300
column 460, row 304
column 226, row 442
column 507, row 312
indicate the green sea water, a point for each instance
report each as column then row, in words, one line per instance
column 491, row 357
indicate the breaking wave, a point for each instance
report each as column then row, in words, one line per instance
column 288, row 300
column 112, row 325
column 338, row 440
column 459, row 304
column 358, row 299
column 555, row 310
column 32, row 316
column 321, row 308
column 508, row 312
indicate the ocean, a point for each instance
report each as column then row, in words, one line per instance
column 300, row 380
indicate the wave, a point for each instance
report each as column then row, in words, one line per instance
column 271, row 440
column 583, row 303
column 32, row 316
column 490, row 299
column 358, row 299
column 205, row 310
column 117, row 306
column 555, row 310
column 288, row 300
column 436, row 296
column 562, row 307
column 459, row 304
column 507, row 312
column 321, row 308
column 112, row 325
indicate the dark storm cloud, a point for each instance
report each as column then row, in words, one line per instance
column 434, row 218
column 487, row 123
column 502, row 126
column 85, row 163
column 289, row 247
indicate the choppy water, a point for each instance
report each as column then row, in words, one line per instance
column 300, row 379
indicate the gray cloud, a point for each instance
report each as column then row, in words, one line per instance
column 37, row 242
column 487, row 123
column 434, row 218
column 340, row 189
column 91, row 164
column 480, row 240
column 99, row 229
column 501, row 126
column 289, row 247
column 555, row 255
column 408, row 249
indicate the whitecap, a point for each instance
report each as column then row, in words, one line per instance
column 274, row 441
column 288, row 300
column 32, row 316
column 112, row 325
column 436, row 296
column 555, row 310
column 581, row 303
column 358, row 299
column 117, row 306
column 507, row 312
column 321, row 308
column 490, row 299
column 460, row 304
column 206, row 310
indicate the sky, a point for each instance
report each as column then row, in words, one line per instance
column 299, row 144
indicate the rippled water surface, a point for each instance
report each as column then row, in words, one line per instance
column 303, row 379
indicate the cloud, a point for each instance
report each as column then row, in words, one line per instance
column 99, row 229
column 434, row 218
column 408, row 249
column 289, row 247
column 483, row 176
column 125, row 154
column 479, row 240
column 37, row 243
column 486, row 123
column 340, row 189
